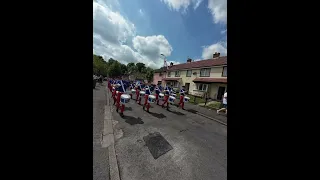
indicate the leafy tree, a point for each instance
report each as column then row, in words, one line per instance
column 140, row 66
column 115, row 69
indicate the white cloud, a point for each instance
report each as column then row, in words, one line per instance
column 218, row 9
column 208, row 51
column 181, row 4
column 141, row 12
column 113, row 34
column 223, row 31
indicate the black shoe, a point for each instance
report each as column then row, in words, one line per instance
column 121, row 114
column 117, row 110
column 148, row 111
column 143, row 107
column 183, row 108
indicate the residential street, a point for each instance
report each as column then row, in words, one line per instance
column 198, row 145
column 100, row 155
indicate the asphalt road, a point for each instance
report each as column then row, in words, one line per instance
column 100, row 155
column 199, row 145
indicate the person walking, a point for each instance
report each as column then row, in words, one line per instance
column 182, row 94
column 146, row 96
column 224, row 104
column 121, row 89
column 158, row 89
column 166, row 97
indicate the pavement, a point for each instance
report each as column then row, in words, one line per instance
column 205, row 111
column 100, row 154
column 198, row 144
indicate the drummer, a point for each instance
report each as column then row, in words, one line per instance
column 121, row 89
column 131, row 87
column 146, row 96
column 141, row 88
column 114, row 92
column 158, row 89
column 182, row 94
column 137, row 87
column 166, row 96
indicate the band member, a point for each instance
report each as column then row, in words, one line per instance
column 121, row 89
column 141, row 88
column 137, row 87
column 131, row 87
column 146, row 96
column 182, row 94
column 109, row 85
column 157, row 90
column 166, row 97
column 114, row 90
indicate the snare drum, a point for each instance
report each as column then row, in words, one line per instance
column 133, row 91
column 151, row 99
column 125, row 98
column 174, row 95
column 161, row 96
column 171, row 99
column 186, row 99
column 142, row 93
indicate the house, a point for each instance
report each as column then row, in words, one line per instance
column 201, row 76
column 158, row 75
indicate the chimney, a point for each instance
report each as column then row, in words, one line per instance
column 171, row 64
column 189, row 60
column 216, row 55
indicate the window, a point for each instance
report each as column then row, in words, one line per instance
column 177, row 74
column 202, row 87
column 189, row 72
column 175, row 84
column 169, row 74
column 205, row 72
column 224, row 72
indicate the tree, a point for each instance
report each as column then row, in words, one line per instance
column 115, row 69
column 149, row 75
column 140, row 66
column 124, row 69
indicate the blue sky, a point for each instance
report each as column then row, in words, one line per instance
column 140, row 30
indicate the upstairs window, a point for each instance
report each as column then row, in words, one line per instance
column 205, row 72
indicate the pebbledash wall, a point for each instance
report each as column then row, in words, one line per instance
column 213, row 80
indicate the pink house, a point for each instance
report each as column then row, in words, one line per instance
column 158, row 75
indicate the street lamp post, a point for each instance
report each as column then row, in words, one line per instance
column 164, row 65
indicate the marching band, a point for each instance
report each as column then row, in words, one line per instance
column 123, row 91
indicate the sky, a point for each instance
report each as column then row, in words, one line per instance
column 141, row 30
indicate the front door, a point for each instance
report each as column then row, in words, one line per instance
column 221, row 91
column 187, row 85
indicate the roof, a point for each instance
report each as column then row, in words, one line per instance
column 198, row 64
column 171, row 79
column 162, row 69
column 211, row 80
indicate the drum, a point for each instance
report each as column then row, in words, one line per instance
column 133, row 91
column 125, row 98
column 171, row 99
column 186, row 99
column 174, row 95
column 151, row 99
column 142, row 93
column 161, row 96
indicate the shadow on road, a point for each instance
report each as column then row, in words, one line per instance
column 132, row 120
column 160, row 116
column 192, row 111
column 128, row 108
column 176, row 112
